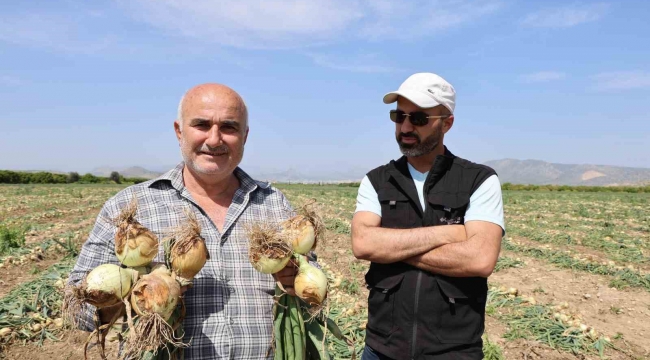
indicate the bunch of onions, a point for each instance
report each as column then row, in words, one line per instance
column 135, row 245
column 268, row 251
column 299, row 324
column 304, row 230
column 185, row 251
column 149, row 293
column 154, row 298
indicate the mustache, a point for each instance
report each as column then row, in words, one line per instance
column 219, row 150
column 408, row 134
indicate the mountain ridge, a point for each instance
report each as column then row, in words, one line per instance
column 510, row 170
column 538, row 172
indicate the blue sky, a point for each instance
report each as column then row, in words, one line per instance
column 88, row 84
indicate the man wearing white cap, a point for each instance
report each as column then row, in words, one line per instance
column 431, row 225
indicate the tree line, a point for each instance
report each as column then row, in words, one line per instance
column 44, row 177
column 627, row 189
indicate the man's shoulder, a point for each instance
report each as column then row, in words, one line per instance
column 268, row 189
column 473, row 174
column 265, row 189
column 144, row 192
column 383, row 169
column 472, row 166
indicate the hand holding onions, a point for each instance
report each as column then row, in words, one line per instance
column 150, row 293
column 298, row 320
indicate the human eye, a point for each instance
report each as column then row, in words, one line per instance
column 229, row 126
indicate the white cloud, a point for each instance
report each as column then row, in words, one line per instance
column 51, row 30
column 388, row 19
column 621, row 80
column 299, row 23
column 542, row 76
column 367, row 63
column 566, row 16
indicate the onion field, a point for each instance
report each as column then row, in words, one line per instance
column 572, row 282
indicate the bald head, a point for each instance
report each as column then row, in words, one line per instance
column 215, row 94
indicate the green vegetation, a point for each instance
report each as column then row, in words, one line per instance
column 615, row 225
column 567, row 188
column 621, row 278
column 33, row 303
column 11, row 238
column 603, row 232
column 491, row 351
column 527, row 320
column 43, row 177
column 505, row 262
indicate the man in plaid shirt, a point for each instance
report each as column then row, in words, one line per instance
column 229, row 306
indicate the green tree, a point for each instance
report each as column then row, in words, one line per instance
column 89, row 179
column 73, row 177
column 115, row 176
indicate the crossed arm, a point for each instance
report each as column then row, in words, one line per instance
column 452, row 250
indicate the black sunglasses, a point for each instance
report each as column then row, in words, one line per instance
column 417, row 118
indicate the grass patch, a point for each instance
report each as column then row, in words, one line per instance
column 505, row 262
column 491, row 351
column 338, row 226
column 11, row 238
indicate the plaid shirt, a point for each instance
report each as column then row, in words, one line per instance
column 229, row 308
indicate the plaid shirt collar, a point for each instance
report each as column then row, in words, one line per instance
column 175, row 177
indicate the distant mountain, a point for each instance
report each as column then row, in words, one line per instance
column 293, row 175
column 510, row 170
column 132, row 172
column 541, row 172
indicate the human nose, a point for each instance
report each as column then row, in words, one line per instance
column 406, row 125
column 214, row 137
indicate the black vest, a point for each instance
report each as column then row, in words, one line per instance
column 414, row 314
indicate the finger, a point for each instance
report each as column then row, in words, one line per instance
column 287, row 280
column 287, row 271
column 290, row 290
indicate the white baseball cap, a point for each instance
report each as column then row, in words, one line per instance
column 425, row 90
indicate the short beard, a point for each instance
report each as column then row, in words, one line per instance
column 420, row 147
column 186, row 153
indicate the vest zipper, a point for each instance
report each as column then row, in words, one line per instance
column 415, row 314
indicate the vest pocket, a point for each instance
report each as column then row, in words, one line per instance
column 381, row 304
column 448, row 209
column 460, row 310
column 395, row 209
